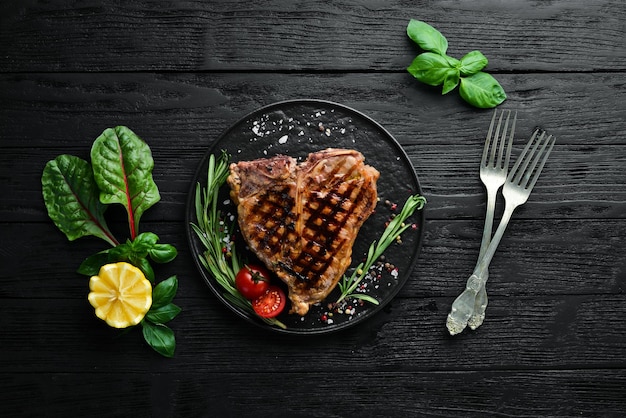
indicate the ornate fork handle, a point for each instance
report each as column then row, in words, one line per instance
column 480, row 301
column 463, row 305
column 467, row 306
column 480, row 305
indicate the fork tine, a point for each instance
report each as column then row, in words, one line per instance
column 520, row 176
column 515, row 174
column 499, row 141
column 523, row 175
column 488, row 139
column 550, row 141
column 509, row 146
column 532, row 159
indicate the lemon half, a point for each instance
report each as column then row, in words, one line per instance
column 121, row 294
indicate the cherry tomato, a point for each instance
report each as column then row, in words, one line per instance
column 271, row 303
column 252, row 281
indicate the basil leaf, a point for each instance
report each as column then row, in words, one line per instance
column 482, row 90
column 472, row 63
column 453, row 62
column 163, row 253
column 427, row 37
column 163, row 314
column 450, row 82
column 70, row 194
column 122, row 252
column 164, row 292
column 431, row 69
column 144, row 265
column 143, row 243
column 159, row 337
column 91, row 265
column 122, row 164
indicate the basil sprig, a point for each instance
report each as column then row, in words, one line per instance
column 77, row 194
column 435, row 68
column 158, row 335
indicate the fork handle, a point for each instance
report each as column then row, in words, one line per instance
column 492, row 193
column 483, row 264
column 463, row 305
column 480, row 303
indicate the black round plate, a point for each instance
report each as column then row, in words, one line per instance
column 297, row 128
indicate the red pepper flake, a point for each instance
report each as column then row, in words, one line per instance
column 394, row 206
column 324, row 318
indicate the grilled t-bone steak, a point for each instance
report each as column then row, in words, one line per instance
column 301, row 220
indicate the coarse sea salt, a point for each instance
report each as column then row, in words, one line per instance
column 283, row 139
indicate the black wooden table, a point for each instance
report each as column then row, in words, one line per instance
column 180, row 73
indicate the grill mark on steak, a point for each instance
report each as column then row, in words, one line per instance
column 274, row 207
column 301, row 220
column 325, row 224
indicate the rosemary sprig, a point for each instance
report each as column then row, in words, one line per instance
column 215, row 236
column 348, row 284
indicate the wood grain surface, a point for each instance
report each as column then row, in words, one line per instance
column 180, row 73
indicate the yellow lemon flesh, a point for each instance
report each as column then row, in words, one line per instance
column 121, row 294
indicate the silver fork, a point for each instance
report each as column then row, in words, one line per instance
column 493, row 169
column 519, row 183
column 493, row 175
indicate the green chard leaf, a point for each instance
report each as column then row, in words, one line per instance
column 160, row 337
column 472, row 63
column 70, row 194
column 482, row 90
column 122, row 165
column 431, row 69
column 427, row 37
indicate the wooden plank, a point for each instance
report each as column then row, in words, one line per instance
column 592, row 392
column 342, row 35
column 180, row 73
column 535, row 258
column 538, row 333
column 577, row 183
column 443, row 140
column 70, row 110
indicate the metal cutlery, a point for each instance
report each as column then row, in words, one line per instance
column 493, row 170
column 470, row 305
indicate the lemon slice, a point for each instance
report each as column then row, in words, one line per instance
column 121, row 294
